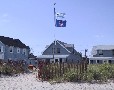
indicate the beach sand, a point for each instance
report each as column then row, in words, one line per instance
column 30, row 82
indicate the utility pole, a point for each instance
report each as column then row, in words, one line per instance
column 86, row 52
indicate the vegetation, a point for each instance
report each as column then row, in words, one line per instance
column 94, row 72
column 97, row 73
column 11, row 68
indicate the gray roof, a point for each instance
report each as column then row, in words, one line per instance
column 103, row 47
column 13, row 42
column 101, row 58
column 51, row 56
column 68, row 47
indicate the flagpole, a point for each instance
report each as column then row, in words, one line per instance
column 54, row 19
column 54, row 33
column 54, row 14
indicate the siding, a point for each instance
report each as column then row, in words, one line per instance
column 48, row 51
column 73, row 58
column 106, row 53
column 2, row 53
column 15, row 55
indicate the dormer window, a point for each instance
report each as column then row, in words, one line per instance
column 58, row 50
column 24, row 51
column 1, row 48
column 53, row 50
column 100, row 52
column 18, row 50
column 11, row 49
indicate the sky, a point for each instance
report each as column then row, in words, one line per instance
column 89, row 23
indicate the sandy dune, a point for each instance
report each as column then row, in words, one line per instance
column 29, row 82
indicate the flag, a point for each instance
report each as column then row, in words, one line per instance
column 58, row 19
column 60, row 23
column 60, row 15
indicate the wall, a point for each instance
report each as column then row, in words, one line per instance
column 106, row 53
column 2, row 53
column 73, row 58
column 48, row 51
column 15, row 55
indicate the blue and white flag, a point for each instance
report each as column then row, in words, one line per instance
column 60, row 15
column 59, row 19
column 60, row 23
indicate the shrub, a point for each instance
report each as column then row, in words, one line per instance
column 95, row 72
column 71, row 76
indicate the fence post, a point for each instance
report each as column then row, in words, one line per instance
column 63, row 69
column 60, row 69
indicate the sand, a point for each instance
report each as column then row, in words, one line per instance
column 30, row 82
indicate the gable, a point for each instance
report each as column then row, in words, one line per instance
column 1, row 44
column 49, row 50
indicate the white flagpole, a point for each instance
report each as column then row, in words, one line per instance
column 54, row 32
column 54, row 14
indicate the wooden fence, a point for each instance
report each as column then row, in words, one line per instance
column 54, row 70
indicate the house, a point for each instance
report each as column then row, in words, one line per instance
column 33, row 60
column 102, row 54
column 59, row 51
column 13, row 49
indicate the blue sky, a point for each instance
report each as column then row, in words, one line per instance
column 89, row 22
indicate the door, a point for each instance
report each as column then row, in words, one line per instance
column 56, row 60
column 60, row 60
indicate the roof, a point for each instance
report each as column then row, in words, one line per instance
column 101, row 58
column 13, row 42
column 67, row 47
column 51, row 56
column 31, row 56
column 103, row 47
column 63, row 45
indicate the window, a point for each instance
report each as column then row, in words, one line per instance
column 1, row 48
column 24, row 51
column 56, row 60
column 11, row 49
column 98, row 61
column 18, row 50
column 105, row 61
column 58, row 50
column 53, row 50
column 110, row 61
column 91, row 61
column 113, row 51
column 100, row 52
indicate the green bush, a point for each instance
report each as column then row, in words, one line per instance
column 71, row 76
column 8, row 69
column 101, row 72
column 95, row 72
